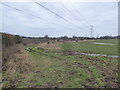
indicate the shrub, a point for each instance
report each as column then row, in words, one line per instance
column 9, row 40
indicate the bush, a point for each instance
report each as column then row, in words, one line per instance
column 9, row 40
column 17, row 39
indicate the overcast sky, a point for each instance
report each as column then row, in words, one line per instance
column 79, row 16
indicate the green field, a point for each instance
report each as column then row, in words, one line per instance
column 89, row 47
column 54, row 68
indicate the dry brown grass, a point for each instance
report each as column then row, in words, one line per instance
column 53, row 46
column 16, row 60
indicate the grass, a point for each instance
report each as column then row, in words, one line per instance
column 89, row 47
column 70, row 71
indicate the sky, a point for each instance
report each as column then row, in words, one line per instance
column 74, row 18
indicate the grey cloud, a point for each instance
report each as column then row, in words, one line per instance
column 102, row 15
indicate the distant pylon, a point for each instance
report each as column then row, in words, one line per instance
column 91, row 31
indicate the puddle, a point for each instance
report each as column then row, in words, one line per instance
column 103, row 43
column 89, row 54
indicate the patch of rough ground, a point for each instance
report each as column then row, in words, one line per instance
column 107, row 68
column 52, row 46
column 15, row 66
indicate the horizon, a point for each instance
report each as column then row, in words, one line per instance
column 59, row 36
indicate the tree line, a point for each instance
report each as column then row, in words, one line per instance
column 9, row 40
column 74, row 37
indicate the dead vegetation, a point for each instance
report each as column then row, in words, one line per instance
column 52, row 46
column 15, row 60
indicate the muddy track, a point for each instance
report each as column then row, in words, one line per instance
column 31, row 50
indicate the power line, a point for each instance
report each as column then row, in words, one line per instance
column 20, row 10
column 27, row 13
column 55, row 14
column 30, row 14
column 80, row 15
column 65, row 8
column 77, row 12
column 62, row 5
